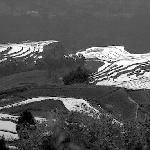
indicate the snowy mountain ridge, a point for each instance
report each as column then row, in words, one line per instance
column 121, row 68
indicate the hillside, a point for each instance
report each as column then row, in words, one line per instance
column 120, row 68
column 35, row 83
column 18, row 93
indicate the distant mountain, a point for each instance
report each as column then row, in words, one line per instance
column 23, row 51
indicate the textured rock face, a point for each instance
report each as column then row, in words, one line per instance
column 53, row 51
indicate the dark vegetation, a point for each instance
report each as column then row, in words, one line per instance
column 64, row 64
column 13, row 66
column 80, row 75
column 26, row 122
column 77, row 131
column 26, row 118
column 71, row 69
column 3, row 144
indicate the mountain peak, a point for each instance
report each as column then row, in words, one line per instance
column 104, row 53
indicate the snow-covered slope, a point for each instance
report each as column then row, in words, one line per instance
column 120, row 68
column 23, row 50
column 8, row 127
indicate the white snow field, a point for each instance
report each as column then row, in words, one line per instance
column 120, row 68
column 72, row 104
column 23, row 50
column 8, row 128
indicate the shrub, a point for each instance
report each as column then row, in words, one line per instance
column 25, row 125
column 3, row 144
column 80, row 75
column 26, row 117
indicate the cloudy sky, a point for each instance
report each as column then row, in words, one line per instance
column 77, row 23
column 61, row 7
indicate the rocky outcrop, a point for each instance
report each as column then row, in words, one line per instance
column 53, row 51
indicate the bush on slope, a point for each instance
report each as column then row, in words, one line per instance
column 25, row 125
column 3, row 144
column 80, row 75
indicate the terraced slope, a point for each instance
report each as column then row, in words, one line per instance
column 120, row 68
column 24, row 50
